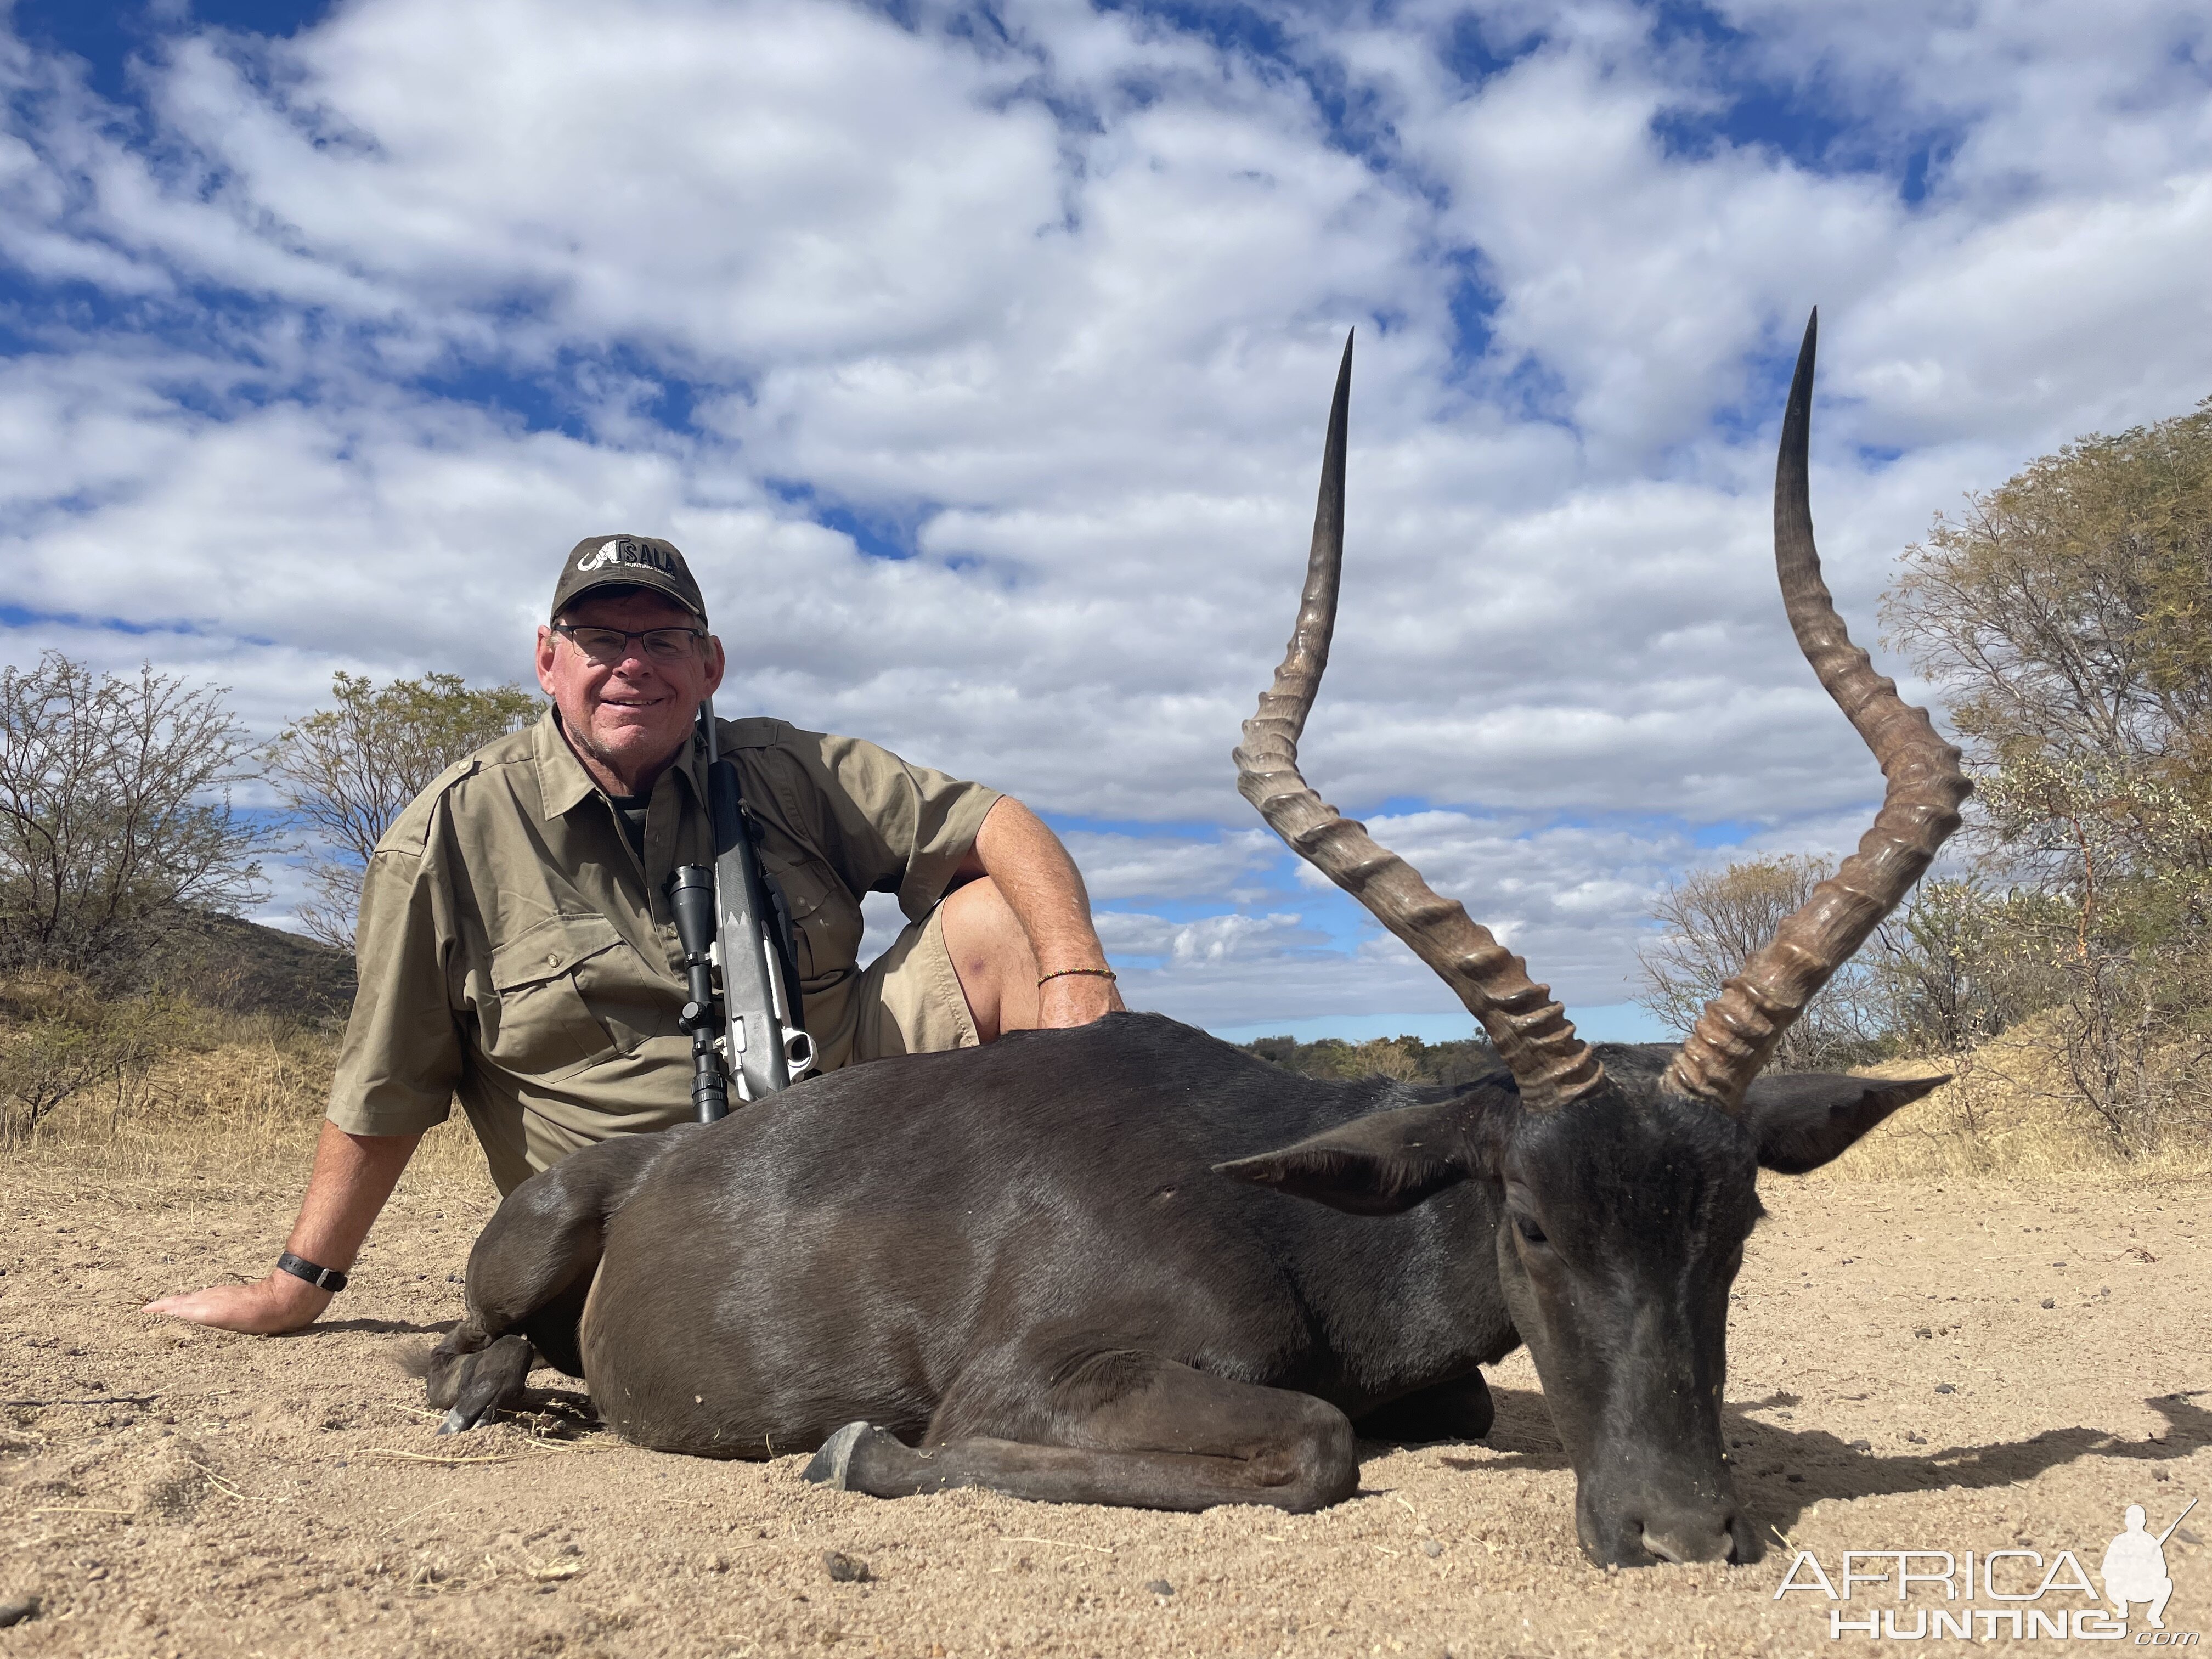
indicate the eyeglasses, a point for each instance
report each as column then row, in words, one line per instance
column 612, row 645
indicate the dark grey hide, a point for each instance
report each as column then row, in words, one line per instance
column 1025, row 1267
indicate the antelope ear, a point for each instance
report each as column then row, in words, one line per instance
column 1801, row 1120
column 1379, row 1164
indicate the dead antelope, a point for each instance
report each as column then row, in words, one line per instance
column 1130, row 1264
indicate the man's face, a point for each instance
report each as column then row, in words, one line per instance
column 627, row 717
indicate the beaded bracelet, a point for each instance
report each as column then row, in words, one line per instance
column 1093, row 973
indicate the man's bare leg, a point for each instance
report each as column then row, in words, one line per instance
column 354, row 1175
column 992, row 956
column 1025, row 915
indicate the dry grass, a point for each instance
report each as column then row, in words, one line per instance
column 235, row 1098
column 240, row 1097
column 2009, row 1111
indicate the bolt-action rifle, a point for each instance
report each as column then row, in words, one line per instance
column 730, row 917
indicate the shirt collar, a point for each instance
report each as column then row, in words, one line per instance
column 563, row 782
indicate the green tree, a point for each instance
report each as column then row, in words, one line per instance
column 114, row 814
column 1957, row 963
column 2068, row 613
column 2067, row 620
column 348, row 771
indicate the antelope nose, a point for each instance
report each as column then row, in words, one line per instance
column 1692, row 1541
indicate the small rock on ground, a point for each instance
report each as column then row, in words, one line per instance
column 844, row 1569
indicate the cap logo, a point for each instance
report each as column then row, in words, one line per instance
column 621, row 550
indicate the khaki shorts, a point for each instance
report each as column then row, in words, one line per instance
column 907, row 1001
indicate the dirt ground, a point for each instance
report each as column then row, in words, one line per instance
column 1932, row 1366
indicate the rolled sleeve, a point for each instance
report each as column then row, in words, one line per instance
column 905, row 828
column 402, row 1054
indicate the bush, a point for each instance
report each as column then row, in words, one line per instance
column 59, row 1039
column 1402, row 1059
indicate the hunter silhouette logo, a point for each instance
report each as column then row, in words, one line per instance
column 2135, row 1567
column 2034, row 1599
column 621, row 550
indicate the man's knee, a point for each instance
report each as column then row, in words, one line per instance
column 981, row 935
column 991, row 957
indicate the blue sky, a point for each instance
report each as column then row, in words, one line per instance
column 978, row 356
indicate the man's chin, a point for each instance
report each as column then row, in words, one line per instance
column 628, row 744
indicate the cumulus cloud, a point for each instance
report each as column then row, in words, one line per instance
column 979, row 363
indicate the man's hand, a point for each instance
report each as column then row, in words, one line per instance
column 278, row 1302
column 1076, row 999
column 353, row 1177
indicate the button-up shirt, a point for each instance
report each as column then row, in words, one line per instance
column 515, row 950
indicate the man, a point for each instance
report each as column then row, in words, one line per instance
column 516, row 947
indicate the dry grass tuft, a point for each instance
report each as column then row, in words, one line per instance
column 2008, row 1111
column 234, row 1098
column 238, row 1099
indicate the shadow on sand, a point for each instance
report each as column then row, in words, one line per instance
column 373, row 1326
column 1781, row 1471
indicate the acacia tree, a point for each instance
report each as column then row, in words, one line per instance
column 2069, row 612
column 348, row 771
column 114, row 812
column 2067, row 618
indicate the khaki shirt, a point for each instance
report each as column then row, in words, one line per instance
column 514, row 951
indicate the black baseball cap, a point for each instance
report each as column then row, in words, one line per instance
column 627, row 562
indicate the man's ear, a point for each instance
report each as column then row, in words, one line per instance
column 1801, row 1120
column 1379, row 1164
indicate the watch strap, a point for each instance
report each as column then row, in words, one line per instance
column 322, row 1279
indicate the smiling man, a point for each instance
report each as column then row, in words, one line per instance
column 517, row 952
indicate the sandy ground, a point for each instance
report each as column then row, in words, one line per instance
column 1930, row 1366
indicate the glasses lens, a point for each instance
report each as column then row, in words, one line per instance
column 599, row 644
column 668, row 643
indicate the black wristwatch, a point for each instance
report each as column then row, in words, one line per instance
column 322, row 1279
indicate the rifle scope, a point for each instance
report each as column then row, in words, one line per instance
column 691, row 898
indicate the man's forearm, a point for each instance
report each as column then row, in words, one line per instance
column 1043, row 894
column 353, row 1177
column 1042, row 886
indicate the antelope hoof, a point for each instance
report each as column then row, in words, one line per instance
column 489, row 1380
column 832, row 1465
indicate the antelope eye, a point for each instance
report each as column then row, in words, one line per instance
column 1529, row 1231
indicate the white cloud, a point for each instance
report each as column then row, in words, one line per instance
column 1058, row 304
column 1168, row 867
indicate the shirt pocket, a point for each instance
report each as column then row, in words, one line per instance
column 825, row 919
column 542, row 1026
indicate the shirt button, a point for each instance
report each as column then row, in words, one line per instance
column 554, row 960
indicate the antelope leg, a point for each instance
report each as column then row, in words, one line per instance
column 1158, row 1436
column 529, row 1276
